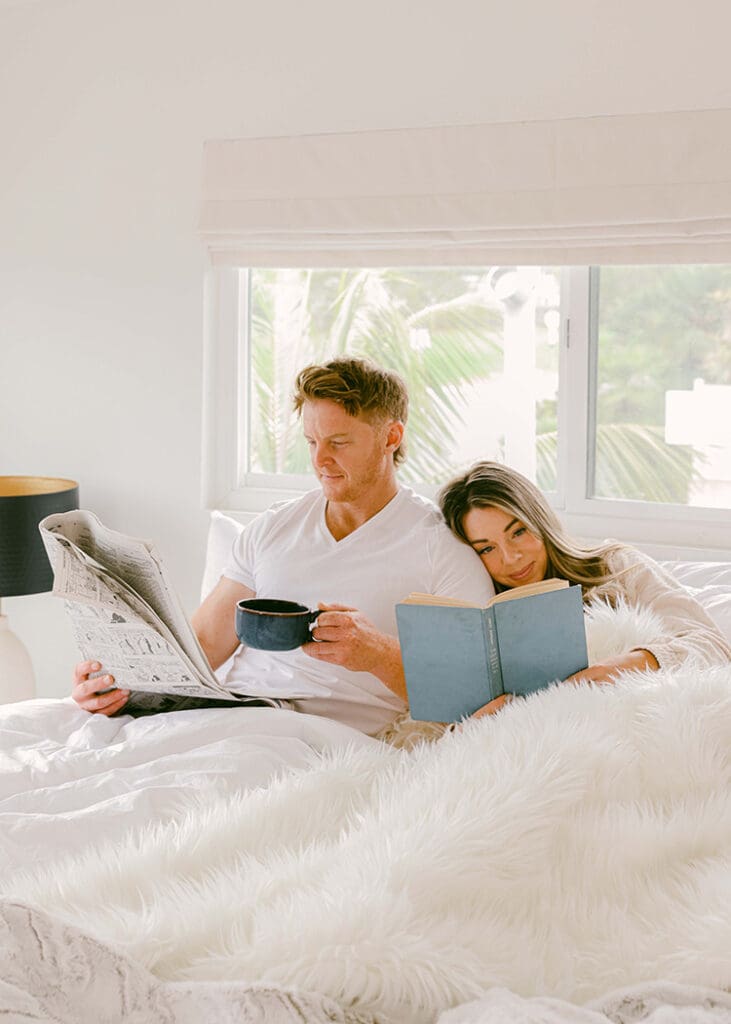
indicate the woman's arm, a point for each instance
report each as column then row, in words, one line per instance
column 603, row 672
column 637, row 660
column 687, row 629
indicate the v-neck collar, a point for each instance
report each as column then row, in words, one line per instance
column 377, row 518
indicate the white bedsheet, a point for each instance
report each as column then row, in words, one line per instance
column 69, row 779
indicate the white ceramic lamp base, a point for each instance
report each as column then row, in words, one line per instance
column 17, row 681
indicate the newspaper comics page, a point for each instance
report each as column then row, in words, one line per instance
column 114, row 624
column 125, row 613
column 143, row 661
column 136, row 655
column 137, row 564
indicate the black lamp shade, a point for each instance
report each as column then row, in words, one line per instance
column 24, row 501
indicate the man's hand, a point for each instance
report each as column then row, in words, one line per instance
column 344, row 636
column 86, row 691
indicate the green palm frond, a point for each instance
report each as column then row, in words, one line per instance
column 369, row 315
column 632, row 463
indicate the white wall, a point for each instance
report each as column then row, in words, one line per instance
column 103, row 110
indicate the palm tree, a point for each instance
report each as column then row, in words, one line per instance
column 632, row 461
column 438, row 330
column 301, row 316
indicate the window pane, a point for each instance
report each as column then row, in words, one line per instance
column 663, row 385
column 478, row 348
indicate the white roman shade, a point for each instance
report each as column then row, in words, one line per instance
column 648, row 188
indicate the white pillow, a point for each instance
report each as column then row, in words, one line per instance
column 710, row 585
column 222, row 532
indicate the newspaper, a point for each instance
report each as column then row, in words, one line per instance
column 126, row 615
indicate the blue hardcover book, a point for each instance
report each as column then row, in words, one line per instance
column 458, row 657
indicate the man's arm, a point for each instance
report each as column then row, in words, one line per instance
column 344, row 636
column 214, row 623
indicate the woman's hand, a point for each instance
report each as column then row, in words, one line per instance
column 88, row 692
column 607, row 671
column 603, row 672
column 493, row 706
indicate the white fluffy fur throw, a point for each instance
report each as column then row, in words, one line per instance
column 577, row 842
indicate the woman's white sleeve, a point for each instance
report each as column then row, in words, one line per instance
column 688, row 631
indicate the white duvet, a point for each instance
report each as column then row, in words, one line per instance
column 526, row 870
column 69, row 779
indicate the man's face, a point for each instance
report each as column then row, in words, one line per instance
column 350, row 456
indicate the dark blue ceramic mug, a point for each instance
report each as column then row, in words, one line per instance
column 273, row 625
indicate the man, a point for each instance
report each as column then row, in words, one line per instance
column 354, row 548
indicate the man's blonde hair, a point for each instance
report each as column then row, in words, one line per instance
column 360, row 387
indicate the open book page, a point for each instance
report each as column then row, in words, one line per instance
column 113, row 624
column 542, row 587
column 136, row 564
column 432, row 599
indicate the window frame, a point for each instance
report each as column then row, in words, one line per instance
column 668, row 531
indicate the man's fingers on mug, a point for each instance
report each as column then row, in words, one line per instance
column 320, row 650
column 334, row 618
column 325, row 631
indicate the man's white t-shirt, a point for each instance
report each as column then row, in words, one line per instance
column 288, row 553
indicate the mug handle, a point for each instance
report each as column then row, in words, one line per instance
column 311, row 620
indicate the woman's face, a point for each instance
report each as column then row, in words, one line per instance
column 509, row 551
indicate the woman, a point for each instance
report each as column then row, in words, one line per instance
column 508, row 522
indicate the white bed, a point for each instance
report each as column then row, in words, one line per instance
column 569, row 859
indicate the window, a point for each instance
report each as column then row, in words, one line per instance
column 662, row 425
column 466, row 341
column 609, row 387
